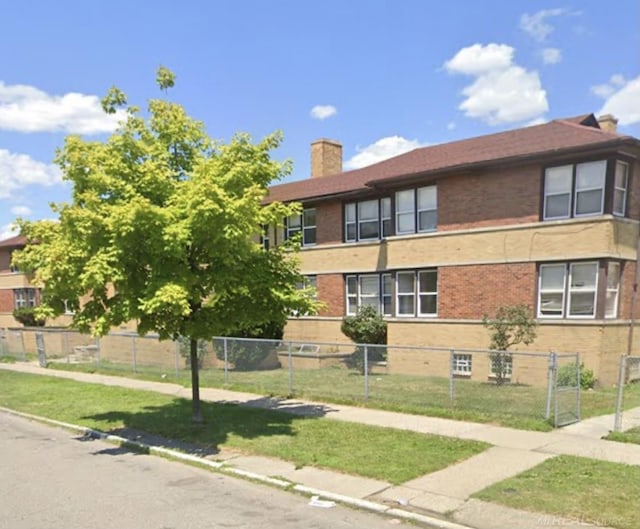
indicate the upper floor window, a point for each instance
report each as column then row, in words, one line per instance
column 305, row 224
column 568, row 290
column 265, row 239
column 574, row 190
column 621, row 182
column 367, row 220
column 416, row 210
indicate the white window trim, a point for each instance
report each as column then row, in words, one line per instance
column 359, row 221
column 547, row 194
column 349, row 295
column 462, row 364
column 586, row 190
column 624, row 189
column 570, row 292
column 387, row 295
column 353, row 222
column 418, row 210
column 427, row 293
column 302, row 228
column 405, row 294
column 400, row 212
column 614, row 314
column 563, row 291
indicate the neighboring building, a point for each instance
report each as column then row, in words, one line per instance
column 15, row 290
column 546, row 215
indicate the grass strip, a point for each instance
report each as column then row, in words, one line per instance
column 386, row 454
column 580, row 489
column 629, row 436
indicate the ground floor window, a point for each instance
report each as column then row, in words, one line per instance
column 24, row 297
column 461, row 364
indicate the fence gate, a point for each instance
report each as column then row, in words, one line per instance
column 564, row 374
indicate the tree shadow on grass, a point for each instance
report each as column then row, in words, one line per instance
column 170, row 425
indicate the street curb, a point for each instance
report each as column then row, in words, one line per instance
column 378, row 508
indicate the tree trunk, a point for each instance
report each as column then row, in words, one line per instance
column 195, row 382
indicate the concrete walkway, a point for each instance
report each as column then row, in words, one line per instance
column 445, row 492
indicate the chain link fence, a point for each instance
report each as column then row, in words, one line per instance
column 447, row 382
column 628, row 381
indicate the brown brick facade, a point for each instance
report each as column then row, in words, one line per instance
column 627, row 281
column 329, row 222
column 469, row 292
column 331, row 293
column 492, row 198
column 6, row 300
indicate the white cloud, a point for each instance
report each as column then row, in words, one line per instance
column 25, row 108
column 622, row 99
column 323, row 111
column 451, row 125
column 502, row 92
column 381, row 150
column 21, row 211
column 537, row 26
column 8, row 230
column 20, row 170
column 551, row 56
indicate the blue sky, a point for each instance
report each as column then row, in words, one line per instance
column 382, row 77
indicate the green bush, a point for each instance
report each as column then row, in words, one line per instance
column 248, row 355
column 366, row 327
column 568, row 376
column 27, row 316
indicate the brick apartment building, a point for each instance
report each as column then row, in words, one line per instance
column 15, row 289
column 546, row 215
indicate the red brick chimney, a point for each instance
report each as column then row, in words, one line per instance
column 326, row 157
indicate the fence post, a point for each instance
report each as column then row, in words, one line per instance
column 65, row 340
column 366, row 373
column 98, row 350
column 226, row 362
column 551, row 369
column 176, row 356
column 133, row 351
column 290, row 370
column 24, row 351
column 617, row 424
column 579, row 388
column 451, row 379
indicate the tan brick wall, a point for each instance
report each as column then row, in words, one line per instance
column 469, row 292
column 490, row 198
column 326, row 158
column 331, row 293
column 315, row 330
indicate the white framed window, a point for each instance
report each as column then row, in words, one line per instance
column 557, row 192
column 405, row 294
column 428, row 293
column 369, row 290
column 621, row 182
column 368, row 220
column 613, row 287
column 590, row 179
column 427, row 209
column 405, row 212
column 305, row 224
column 24, row 297
column 265, row 239
column 583, row 285
column 507, row 365
column 385, row 209
column 350, row 223
column 462, row 364
column 551, row 288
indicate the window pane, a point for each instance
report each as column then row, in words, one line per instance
column 387, row 284
column 588, row 202
column 386, row 305
column 558, row 179
column 613, row 275
column 295, row 221
column 619, row 199
column 369, row 285
column 368, row 210
column 405, row 282
column 386, row 228
column 428, row 281
column 557, row 206
column 406, row 304
column 370, row 230
column 583, row 275
column 386, row 208
column 582, row 304
column 590, row 175
column 404, row 201
column 622, row 170
column 351, row 232
column 611, row 304
column 551, row 304
column 309, row 217
column 309, row 236
column 405, row 223
column 352, row 285
column 552, row 277
column 427, row 197
column 427, row 220
column 350, row 212
column 428, row 304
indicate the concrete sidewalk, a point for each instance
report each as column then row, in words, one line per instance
column 443, row 493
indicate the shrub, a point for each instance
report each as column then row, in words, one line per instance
column 248, row 355
column 567, row 376
column 27, row 316
column 366, row 327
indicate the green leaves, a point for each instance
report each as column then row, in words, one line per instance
column 165, row 78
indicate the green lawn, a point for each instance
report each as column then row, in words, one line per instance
column 584, row 490
column 391, row 455
column 516, row 406
column 629, row 436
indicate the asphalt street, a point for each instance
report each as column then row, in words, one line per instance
column 51, row 478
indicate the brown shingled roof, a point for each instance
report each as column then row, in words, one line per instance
column 14, row 242
column 553, row 137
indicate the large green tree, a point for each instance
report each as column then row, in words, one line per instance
column 161, row 229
